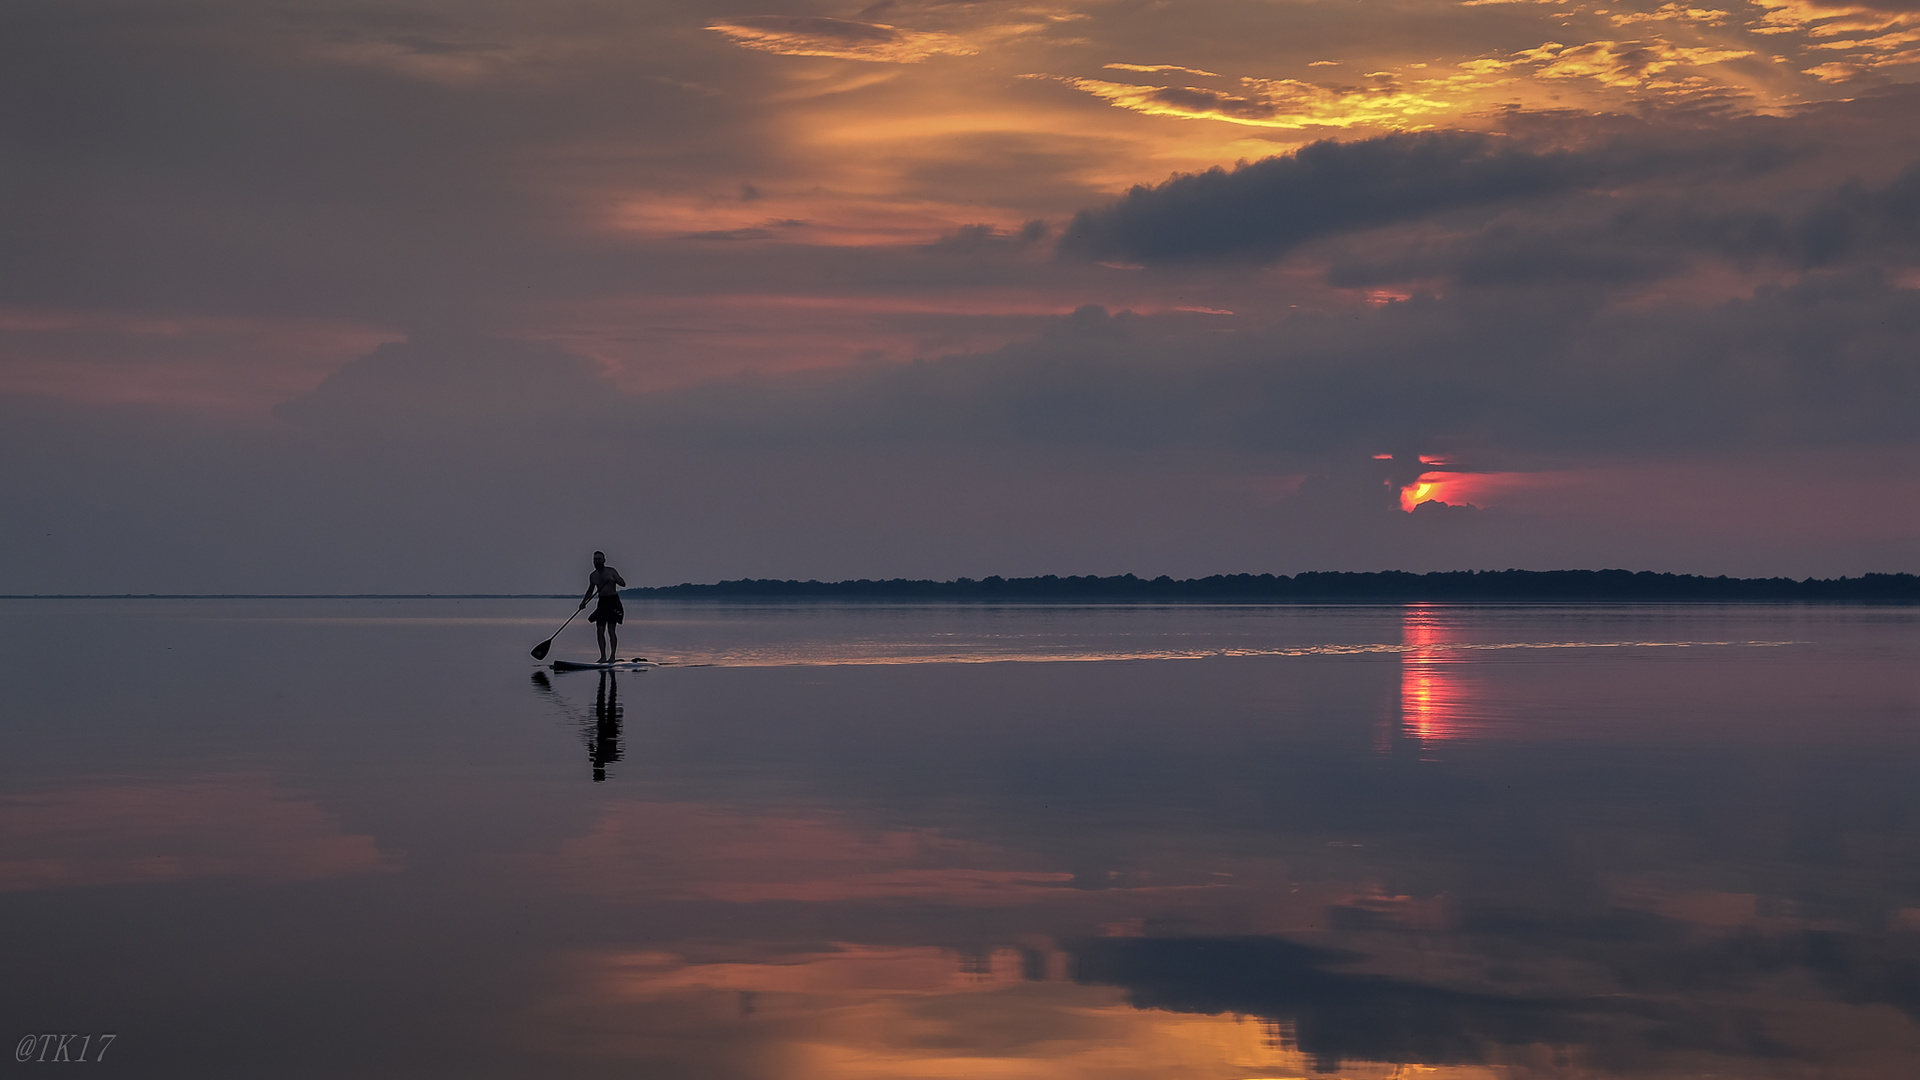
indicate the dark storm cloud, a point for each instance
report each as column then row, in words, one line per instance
column 1552, row 374
column 975, row 239
column 1532, row 369
column 1645, row 238
column 1264, row 210
column 1506, row 255
column 1854, row 221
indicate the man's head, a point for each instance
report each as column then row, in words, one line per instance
column 599, row 558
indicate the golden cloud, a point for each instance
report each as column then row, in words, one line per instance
column 1623, row 64
column 1877, row 38
column 1836, row 73
column 1272, row 103
column 1150, row 69
column 1672, row 13
column 845, row 39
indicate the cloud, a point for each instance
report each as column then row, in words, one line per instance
column 1876, row 35
column 474, row 378
column 1273, row 103
column 1152, row 68
column 1262, row 211
column 216, row 206
column 1672, row 12
column 969, row 239
column 1653, row 237
column 1559, row 374
column 1623, row 63
column 845, row 39
column 1516, row 256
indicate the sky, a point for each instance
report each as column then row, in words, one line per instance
column 440, row 297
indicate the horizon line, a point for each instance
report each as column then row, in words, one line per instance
column 1381, row 585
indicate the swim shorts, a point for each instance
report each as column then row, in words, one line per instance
column 609, row 613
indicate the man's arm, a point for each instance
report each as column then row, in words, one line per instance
column 617, row 579
column 593, row 584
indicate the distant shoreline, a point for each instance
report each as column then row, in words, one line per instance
column 1391, row 586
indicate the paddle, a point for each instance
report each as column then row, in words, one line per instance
column 540, row 650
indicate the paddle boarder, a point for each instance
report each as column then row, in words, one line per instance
column 607, row 582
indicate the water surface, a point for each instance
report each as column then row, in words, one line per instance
column 374, row 839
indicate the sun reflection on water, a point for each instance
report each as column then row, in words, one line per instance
column 1434, row 700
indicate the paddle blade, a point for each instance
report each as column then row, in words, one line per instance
column 540, row 650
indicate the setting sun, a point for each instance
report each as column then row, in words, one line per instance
column 1426, row 489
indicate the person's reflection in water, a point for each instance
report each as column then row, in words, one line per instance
column 603, row 739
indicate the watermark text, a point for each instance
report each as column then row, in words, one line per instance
column 62, row 1047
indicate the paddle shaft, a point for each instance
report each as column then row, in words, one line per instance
column 540, row 650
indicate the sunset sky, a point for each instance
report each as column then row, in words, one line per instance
column 439, row 297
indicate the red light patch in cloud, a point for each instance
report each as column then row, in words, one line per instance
column 1465, row 488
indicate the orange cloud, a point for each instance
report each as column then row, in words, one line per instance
column 1878, row 38
column 1623, row 64
column 1272, row 103
column 1152, row 68
column 845, row 39
column 1672, row 13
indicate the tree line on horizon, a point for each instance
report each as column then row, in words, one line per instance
column 1396, row 585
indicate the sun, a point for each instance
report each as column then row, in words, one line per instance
column 1425, row 489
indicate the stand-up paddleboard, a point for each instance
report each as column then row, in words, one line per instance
column 614, row 665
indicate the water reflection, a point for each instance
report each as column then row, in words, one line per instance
column 1601, row 844
column 1434, row 698
column 235, row 825
column 1329, row 1016
column 600, row 725
column 1502, row 910
column 603, row 735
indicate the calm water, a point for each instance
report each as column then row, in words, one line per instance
column 373, row 839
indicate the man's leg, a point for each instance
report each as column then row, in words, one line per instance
column 600, row 636
column 613, row 639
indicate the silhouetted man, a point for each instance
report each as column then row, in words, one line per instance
column 606, row 581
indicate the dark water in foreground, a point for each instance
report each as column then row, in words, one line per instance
column 369, row 839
